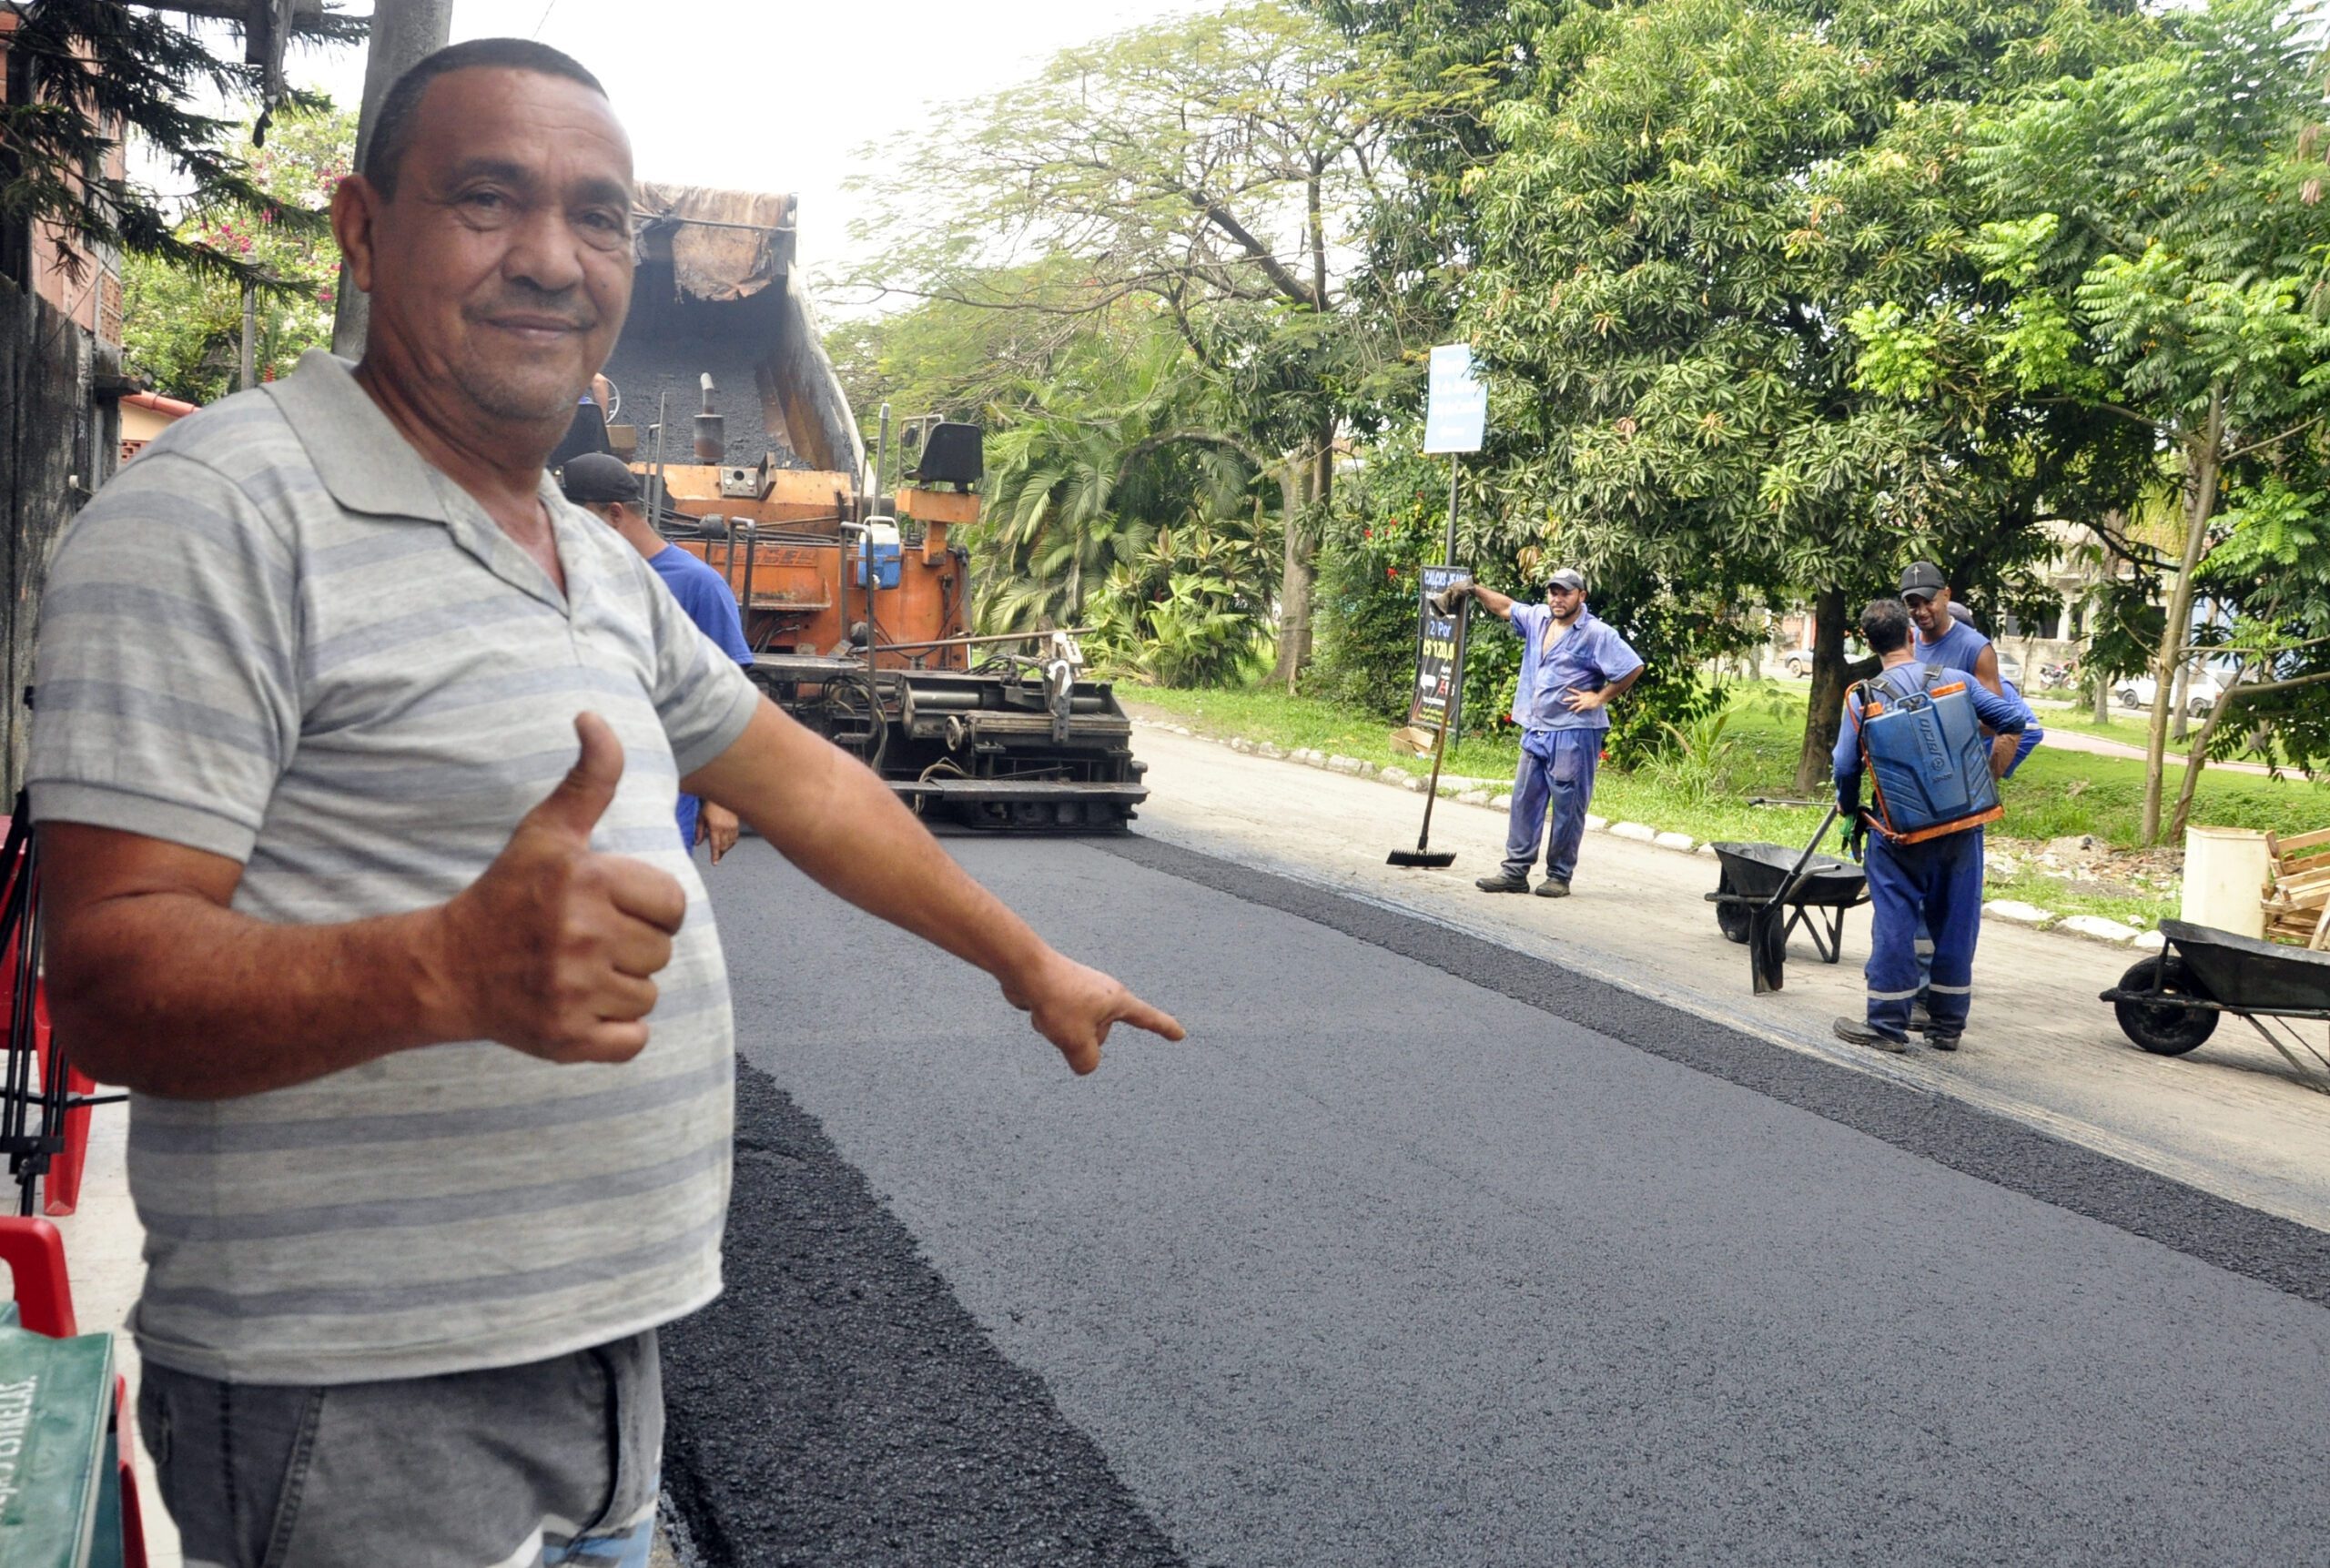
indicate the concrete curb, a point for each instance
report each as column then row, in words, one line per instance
column 1479, row 791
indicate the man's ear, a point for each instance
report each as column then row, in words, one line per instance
column 355, row 206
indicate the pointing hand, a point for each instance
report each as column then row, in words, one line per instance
column 1074, row 1007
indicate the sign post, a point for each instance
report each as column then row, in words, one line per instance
column 1455, row 419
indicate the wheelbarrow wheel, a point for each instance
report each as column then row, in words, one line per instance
column 2161, row 1027
column 1732, row 920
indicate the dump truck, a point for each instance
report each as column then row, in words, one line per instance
column 849, row 566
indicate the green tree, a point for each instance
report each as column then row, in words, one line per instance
column 1209, row 165
column 2158, row 262
column 1111, row 482
column 90, row 72
column 181, row 326
column 943, row 356
column 1690, row 201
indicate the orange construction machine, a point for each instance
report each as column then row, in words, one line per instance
column 854, row 591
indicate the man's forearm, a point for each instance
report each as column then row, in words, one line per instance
column 2002, row 751
column 832, row 817
column 170, row 994
column 1623, row 685
column 1495, row 603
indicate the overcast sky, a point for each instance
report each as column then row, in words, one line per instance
column 773, row 95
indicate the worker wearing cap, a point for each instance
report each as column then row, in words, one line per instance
column 1942, row 640
column 1962, row 647
column 1933, row 885
column 600, row 484
column 1572, row 667
column 2031, row 733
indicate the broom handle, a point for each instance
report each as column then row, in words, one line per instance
column 1439, row 746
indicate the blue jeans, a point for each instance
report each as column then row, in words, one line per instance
column 1556, row 766
column 1915, row 889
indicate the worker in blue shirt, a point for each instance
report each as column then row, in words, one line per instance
column 1962, row 647
column 1937, row 882
column 1572, row 667
column 2031, row 733
column 1946, row 641
column 600, row 484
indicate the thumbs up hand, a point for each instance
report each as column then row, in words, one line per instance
column 553, row 949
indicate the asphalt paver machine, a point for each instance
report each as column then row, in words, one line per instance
column 854, row 593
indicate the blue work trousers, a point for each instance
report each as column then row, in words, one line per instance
column 1557, row 767
column 1913, row 889
column 2022, row 749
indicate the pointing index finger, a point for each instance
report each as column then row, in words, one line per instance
column 1141, row 1015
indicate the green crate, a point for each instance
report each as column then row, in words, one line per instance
column 57, row 1449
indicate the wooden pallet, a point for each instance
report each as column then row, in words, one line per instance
column 2297, row 898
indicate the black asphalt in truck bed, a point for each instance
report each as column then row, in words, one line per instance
column 1421, row 1251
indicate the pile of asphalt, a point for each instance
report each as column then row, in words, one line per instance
column 837, row 1405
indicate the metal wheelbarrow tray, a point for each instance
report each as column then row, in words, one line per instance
column 1752, row 873
column 2169, row 1003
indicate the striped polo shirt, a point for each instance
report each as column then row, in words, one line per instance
column 281, row 637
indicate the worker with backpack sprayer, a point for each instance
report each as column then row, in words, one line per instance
column 1917, row 731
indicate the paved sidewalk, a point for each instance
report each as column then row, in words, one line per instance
column 2231, row 1118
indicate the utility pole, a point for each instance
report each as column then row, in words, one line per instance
column 250, row 337
column 403, row 33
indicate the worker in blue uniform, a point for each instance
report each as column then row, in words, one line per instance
column 1573, row 666
column 2031, row 733
column 1938, row 881
column 1946, row 638
column 601, row 485
column 1963, row 647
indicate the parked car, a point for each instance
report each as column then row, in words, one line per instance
column 2009, row 668
column 1798, row 662
column 2201, row 692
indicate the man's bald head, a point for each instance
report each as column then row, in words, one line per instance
column 399, row 107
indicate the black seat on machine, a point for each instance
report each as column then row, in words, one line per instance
column 954, row 454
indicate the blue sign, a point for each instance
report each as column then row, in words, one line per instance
column 1456, row 413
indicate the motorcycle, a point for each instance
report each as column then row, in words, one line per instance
column 2059, row 677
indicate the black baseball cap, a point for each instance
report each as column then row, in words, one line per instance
column 590, row 478
column 1922, row 577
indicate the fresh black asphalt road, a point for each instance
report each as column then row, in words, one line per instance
column 1419, row 1251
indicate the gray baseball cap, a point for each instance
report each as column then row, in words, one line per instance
column 1922, row 577
column 1567, row 577
column 589, row 477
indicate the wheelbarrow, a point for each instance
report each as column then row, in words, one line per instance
column 1822, row 892
column 2170, row 1002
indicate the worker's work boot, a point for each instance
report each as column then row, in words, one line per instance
column 1502, row 882
column 1860, row 1032
column 1919, row 1019
column 1553, row 888
column 1942, row 1040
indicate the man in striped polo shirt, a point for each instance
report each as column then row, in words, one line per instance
column 355, row 756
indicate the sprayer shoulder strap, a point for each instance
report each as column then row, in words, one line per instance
column 1871, row 690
